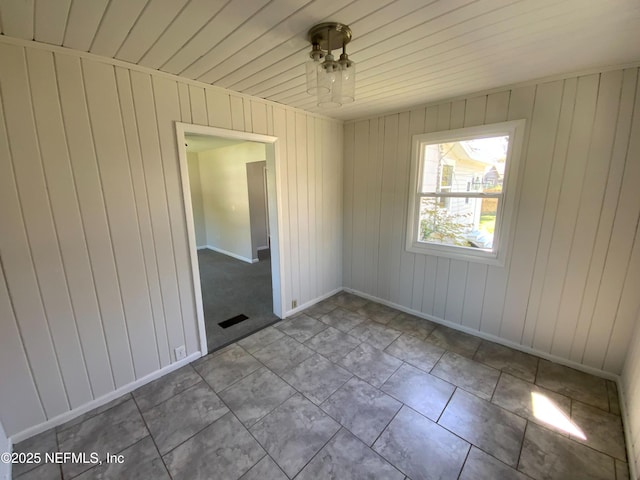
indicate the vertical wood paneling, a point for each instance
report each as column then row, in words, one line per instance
column 520, row 106
column 66, row 214
column 359, row 204
column 153, row 168
column 312, row 214
column 96, row 284
column 114, row 167
column 29, row 241
column 94, row 216
column 144, row 216
column 301, row 201
column 292, row 196
column 348, row 219
column 569, row 203
column 23, row 398
column 551, row 205
column 167, row 110
column 619, row 254
column 400, row 191
column 631, row 384
column 590, row 213
column 573, row 262
column 536, row 171
column 385, row 230
column 218, row 108
column 372, row 217
column 198, row 104
column 416, row 125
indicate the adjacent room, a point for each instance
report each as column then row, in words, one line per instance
column 306, row 239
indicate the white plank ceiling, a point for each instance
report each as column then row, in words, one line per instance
column 408, row 52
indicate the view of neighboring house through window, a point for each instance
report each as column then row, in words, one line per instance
column 461, row 181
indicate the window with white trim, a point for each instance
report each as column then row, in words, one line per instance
column 463, row 191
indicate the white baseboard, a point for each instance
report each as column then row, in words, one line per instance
column 98, row 402
column 304, row 306
column 230, row 254
column 492, row 338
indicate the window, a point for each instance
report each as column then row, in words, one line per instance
column 463, row 190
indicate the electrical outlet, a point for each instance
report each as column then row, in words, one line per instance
column 181, row 352
column 294, row 303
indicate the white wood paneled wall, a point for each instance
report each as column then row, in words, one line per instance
column 570, row 286
column 96, row 287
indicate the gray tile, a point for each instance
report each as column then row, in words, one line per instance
column 370, row 364
column 111, row 431
column 301, row 328
column 375, row 334
column 332, row 343
column 222, row 370
column 603, row 430
column 412, row 325
column 224, row 447
column 361, row 408
column 320, row 309
column 487, row 426
column 472, row 376
column 480, row 466
column 343, row 320
column 581, row 386
column 283, row 354
column 184, row 415
column 622, row 470
column 92, row 413
column 421, row 391
column 518, row 364
column 265, row 469
column 614, row 400
column 348, row 300
column 420, row 448
column 46, row 471
column 378, row 312
column 256, row 395
column 517, row 396
column 140, row 461
column 294, row 432
column 454, row 341
column 45, row 442
column 260, row 339
column 347, row 458
column 165, row 387
column 317, row 378
column 547, row 455
column 423, row 355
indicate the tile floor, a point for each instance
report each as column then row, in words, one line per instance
column 351, row 389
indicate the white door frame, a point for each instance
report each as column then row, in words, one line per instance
column 275, row 219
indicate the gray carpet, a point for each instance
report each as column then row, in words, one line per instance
column 232, row 287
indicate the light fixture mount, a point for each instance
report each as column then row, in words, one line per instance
column 329, row 35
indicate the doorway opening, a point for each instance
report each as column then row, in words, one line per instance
column 230, row 196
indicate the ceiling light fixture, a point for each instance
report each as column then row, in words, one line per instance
column 332, row 82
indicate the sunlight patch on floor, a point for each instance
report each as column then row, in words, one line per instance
column 546, row 410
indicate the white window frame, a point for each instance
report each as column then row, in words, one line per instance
column 505, row 214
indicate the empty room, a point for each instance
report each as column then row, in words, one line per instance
column 305, row 239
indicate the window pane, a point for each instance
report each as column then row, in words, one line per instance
column 465, row 166
column 463, row 222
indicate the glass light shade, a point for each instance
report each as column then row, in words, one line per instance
column 314, row 71
column 332, row 97
column 348, row 82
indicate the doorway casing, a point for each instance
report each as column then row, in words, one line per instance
column 275, row 219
